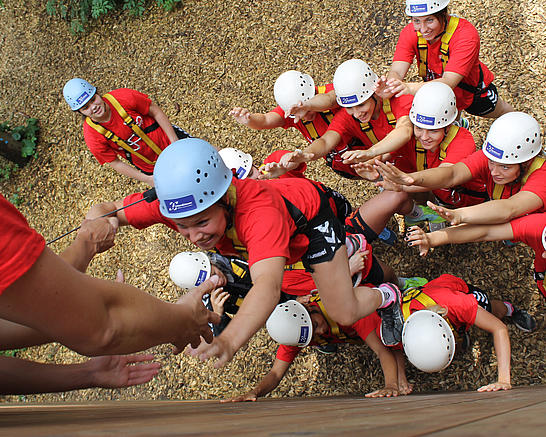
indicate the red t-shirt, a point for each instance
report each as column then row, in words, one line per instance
column 296, row 173
column 459, row 148
column 137, row 105
column 349, row 127
column 358, row 331
column 261, row 219
column 20, row 246
column 451, row 292
column 311, row 130
column 477, row 163
column 464, row 52
column 528, row 229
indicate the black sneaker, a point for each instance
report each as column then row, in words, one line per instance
column 327, row 349
column 392, row 320
column 523, row 320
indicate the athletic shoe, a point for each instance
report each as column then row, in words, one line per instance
column 436, row 226
column 414, row 282
column 327, row 349
column 392, row 320
column 427, row 215
column 387, row 236
column 354, row 242
column 463, row 122
column 523, row 320
column 508, row 243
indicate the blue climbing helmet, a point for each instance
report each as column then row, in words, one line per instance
column 189, row 177
column 77, row 92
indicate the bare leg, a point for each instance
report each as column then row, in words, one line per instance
column 388, row 273
column 344, row 304
column 501, row 109
column 498, row 309
column 377, row 211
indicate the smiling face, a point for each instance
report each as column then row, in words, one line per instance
column 503, row 174
column 205, row 229
column 429, row 138
column 430, row 26
column 365, row 111
column 96, row 109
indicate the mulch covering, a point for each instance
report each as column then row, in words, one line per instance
column 197, row 63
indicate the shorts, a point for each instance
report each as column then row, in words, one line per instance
column 376, row 276
column 484, row 102
column 180, row 133
column 481, row 297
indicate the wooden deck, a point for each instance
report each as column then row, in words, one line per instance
column 519, row 412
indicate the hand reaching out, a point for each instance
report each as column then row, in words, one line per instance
column 366, row 171
column 452, row 216
column 246, row 397
column 218, row 298
column 114, row 371
column 241, row 115
column 392, row 175
column 292, row 160
column 417, row 237
column 219, row 348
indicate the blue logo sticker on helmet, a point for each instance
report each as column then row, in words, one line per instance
column 304, row 334
column 348, row 100
column 497, row 153
column 423, row 119
column 201, row 277
column 182, row 204
column 240, row 173
column 82, row 98
column 416, row 9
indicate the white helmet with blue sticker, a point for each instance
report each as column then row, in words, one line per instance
column 293, row 87
column 290, row 324
column 77, row 92
column 434, row 106
column 428, row 341
column 189, row 177
column 189, row 269
column 354, row 83
column 513, row 138
column 237, row 160
column 419, row 8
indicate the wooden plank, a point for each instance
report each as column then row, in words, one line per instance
column 419, row 414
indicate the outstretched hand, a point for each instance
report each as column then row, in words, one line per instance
column 219, row 348
column 452, row 216
column 417, row 237
column 292, row 160
column 246, row 397
column 356, row 156
column 115, row 371
column 271, row 170
column 298, row 111
column 366, row 171
column 241, row 115
column 392, row 174
column 99, row 232
column 198, row 316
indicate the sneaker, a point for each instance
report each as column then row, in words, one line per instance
column 414, row 282
column 463, row 122
column 523, row 320
column 387, row 236
column 354, row 243
column 508, row 243
column 327, row 349
column 427, row 215
column 391, row 318
column 432, row 227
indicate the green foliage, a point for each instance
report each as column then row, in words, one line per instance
column 79, row 12
column 12, row 353
column 27, row 134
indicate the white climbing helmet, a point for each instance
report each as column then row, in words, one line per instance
column 290, row 324
column 428, row 341
column 354, row 83
column 189, row 177
column 189, row 269
column 434, row 106
column 77, row 92
column 513, row 138
column 418, row 8
column 237, row 160
column 544, row 238
column 293, row 87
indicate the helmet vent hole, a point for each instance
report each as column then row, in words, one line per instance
column 205, row 193
column 198, row 171
column 198, row 180
column 212, row 193
column 206, row 175
column 200, row 200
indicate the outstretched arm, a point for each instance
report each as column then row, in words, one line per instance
column 318, row 103
column 501, row 340
column 118, row 318
column 266, row 385
column 256, row 120
column 114, row 371
column 388, row 365
column 131, row 172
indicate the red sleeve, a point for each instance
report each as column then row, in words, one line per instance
column 20, row 246
column 287, row 353
column 401, row 106
column 462, row 146
column 133, row 100
column 296, row 173
column 406, row 47
column 144, row 214
column 464, row 49
column 536, row 183
column 288, row 121
column 477, row 164
column 343, row 124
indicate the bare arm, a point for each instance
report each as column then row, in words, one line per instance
column 323, row 145
column 266, row 385
column 22, row 377
column 256, row 120
column 101, row 209
column 251, row 316
column 117, row 318
column 318, row 103
column 163, row 121
column 501, row 340
column 388, row 365
column 131, row 172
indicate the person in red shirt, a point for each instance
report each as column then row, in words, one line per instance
column 436, row 142
column 320, row 329
column 36, row 286
column 270, row 223
column 510, row 164
column 463, row 306
column 109, row 135
column 376, row 123
column 447, row 50
column 292, row 89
